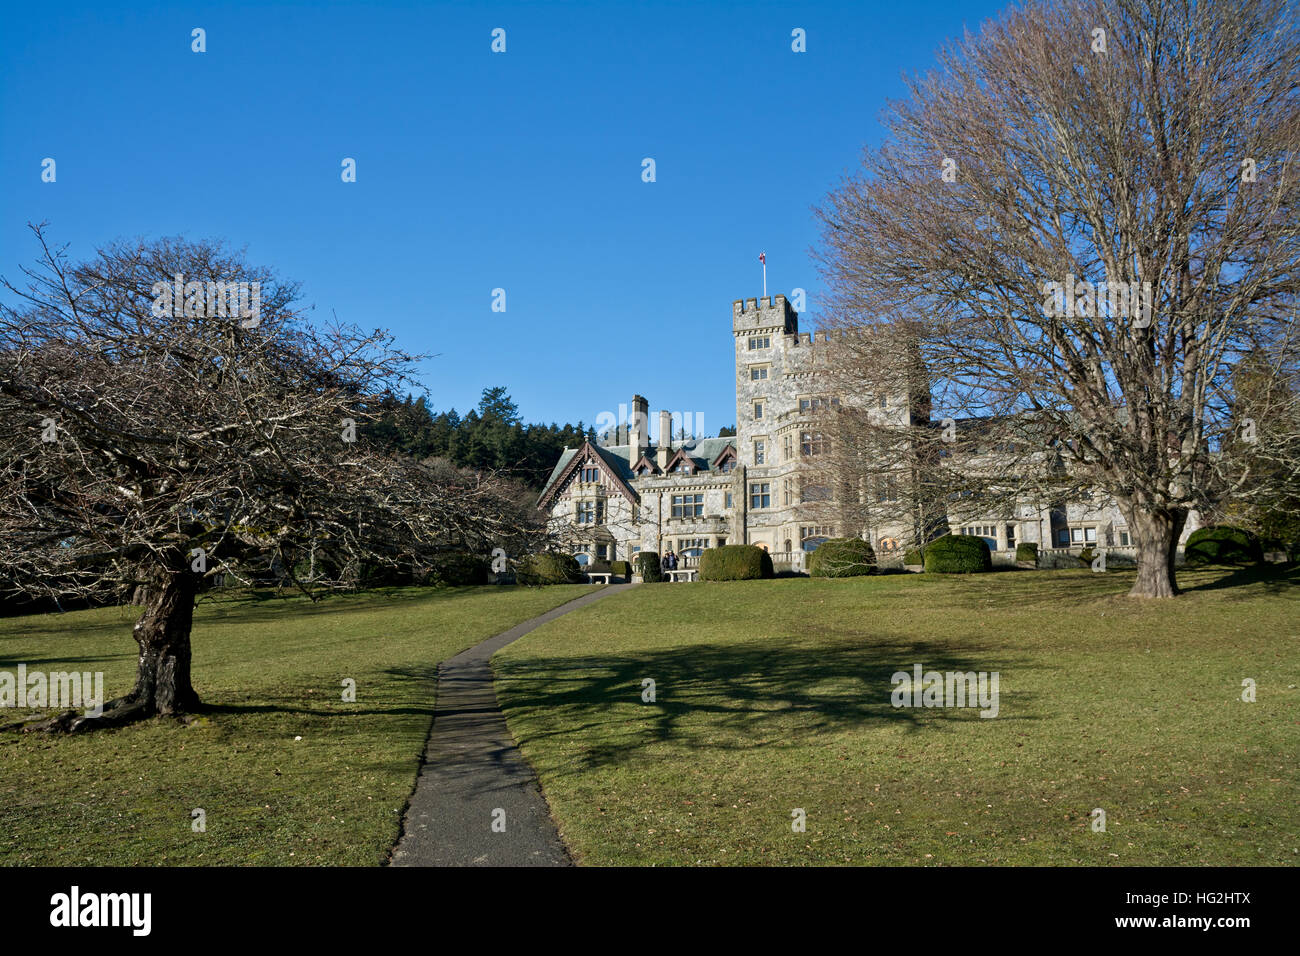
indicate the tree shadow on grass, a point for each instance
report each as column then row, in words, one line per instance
column 1273, row 579
column 741, row 697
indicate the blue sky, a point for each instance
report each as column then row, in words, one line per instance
column 475, row 170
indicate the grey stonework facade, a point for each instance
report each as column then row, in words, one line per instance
column 609, row 502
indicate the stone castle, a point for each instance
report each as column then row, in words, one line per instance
column 608, row 502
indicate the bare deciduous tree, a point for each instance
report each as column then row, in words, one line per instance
column 1089, row 215
column 163, row 443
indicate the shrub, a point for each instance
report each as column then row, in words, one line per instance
column 735, row 562
column 457, row 569
column 1087, row 556
column 842, row 558
column 1028, row 551
column 958, row 554
column 549, row 568
column 622, row 568
column 1223, row 544
column 915, row 556
column 647, row 565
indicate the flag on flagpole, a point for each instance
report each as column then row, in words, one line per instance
column 762, row 257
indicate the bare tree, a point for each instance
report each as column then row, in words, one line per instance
column 163, row 431
column 1088, row 213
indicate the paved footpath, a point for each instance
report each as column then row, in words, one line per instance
column 472, row 769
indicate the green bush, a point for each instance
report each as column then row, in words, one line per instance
column 735, row 562
column 457, row 569
column 549, row 568
column 622, row 568
column 1223, row 544
column 1087, row 556
column 647, row 565
column 842, row 558
column 958, row 554
column 1028, row 551
column 915, row 556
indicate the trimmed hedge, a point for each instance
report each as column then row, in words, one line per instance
column 842, row 558
column 647, row 565
column 915, row 556
column 549, row 568
column 1028, row 551
column 958, row 554
column 622, row 568
column 457, row 569
column 735, row 562
column 1223, row 544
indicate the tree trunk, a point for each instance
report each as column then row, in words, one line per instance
column 162, row 680
column 162, row 683
column 1155, row 535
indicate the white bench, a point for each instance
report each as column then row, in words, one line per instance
column 604, row 577
column 689, row 572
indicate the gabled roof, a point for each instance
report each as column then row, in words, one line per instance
column 705, row 454
column 727, row 453
column 605, row 459
column 645, row 461
column 679, row 456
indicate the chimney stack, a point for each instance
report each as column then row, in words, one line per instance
column 665, row 450
column 638, row 429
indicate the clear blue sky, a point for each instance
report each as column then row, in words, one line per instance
column 475, row 170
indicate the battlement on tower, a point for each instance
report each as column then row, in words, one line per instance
column 768, row 314
column 812, row 338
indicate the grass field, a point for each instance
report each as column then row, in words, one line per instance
column 773, row 696
column 272, row 668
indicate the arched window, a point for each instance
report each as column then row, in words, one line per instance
column 582, row 558
column 888, row 544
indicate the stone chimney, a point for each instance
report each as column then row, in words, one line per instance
column 665, row 439
column 638, row 429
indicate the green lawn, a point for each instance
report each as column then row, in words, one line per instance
column 775, row 695
column 272, row 668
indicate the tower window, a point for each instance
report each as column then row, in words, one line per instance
column 812, row 443
column 760, row 342
column 758, row 374
column 758, row 411
column 760, row 495
column 760, row 453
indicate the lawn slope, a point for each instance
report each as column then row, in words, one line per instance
column 272, row 668
column 774, row 696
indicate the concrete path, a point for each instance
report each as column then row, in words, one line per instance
column 473, row 771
